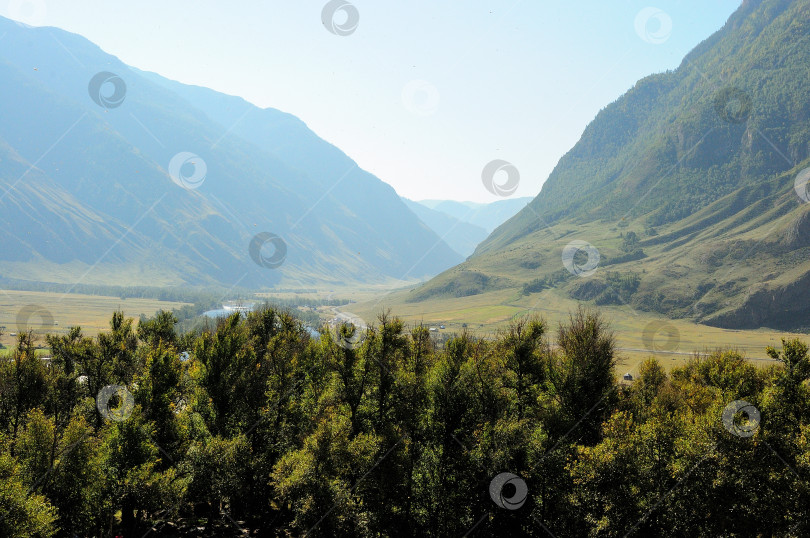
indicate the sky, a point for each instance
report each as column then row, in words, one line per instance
column 423, row 94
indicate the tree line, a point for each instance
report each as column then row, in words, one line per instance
column 254, row 426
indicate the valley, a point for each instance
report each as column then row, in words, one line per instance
column 429, row 271
column 639, row 334
column 489, row 312
column 90, row 312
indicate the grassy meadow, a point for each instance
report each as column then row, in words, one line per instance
column 486, row 313
column 91, row 312
column 483, row 314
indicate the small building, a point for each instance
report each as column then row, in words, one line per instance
column 627, row 377
column 434, row 329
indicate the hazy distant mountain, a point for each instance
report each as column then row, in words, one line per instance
column 488, row 216
column 87, row 191
column 462, row 236
column 689, row 186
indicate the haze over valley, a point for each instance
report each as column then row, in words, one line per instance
column 338, row 269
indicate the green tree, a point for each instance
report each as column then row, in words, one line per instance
column 133, row 480
column 523, row 351
column 22, row 514
column 582, row 376
column 24, row 385
column 157, row 329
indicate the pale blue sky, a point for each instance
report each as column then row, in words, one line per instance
column 511, row 80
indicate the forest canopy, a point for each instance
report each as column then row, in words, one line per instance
column 255, row 426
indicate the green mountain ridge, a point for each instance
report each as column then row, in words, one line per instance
column 685, row 187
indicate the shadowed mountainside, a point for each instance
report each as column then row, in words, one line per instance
column 88, row 192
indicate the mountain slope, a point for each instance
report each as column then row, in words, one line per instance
column 288, row 139
column 488, row 216
column 462, row 236
column 114, row 164
column 699, row 164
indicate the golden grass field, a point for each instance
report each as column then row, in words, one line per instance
column 91, row 312
column 671, row 341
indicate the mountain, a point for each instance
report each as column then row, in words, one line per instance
column 488, row 216
column 463, row 225
column 462, row 236
column 689, row 187
column 110, row 173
